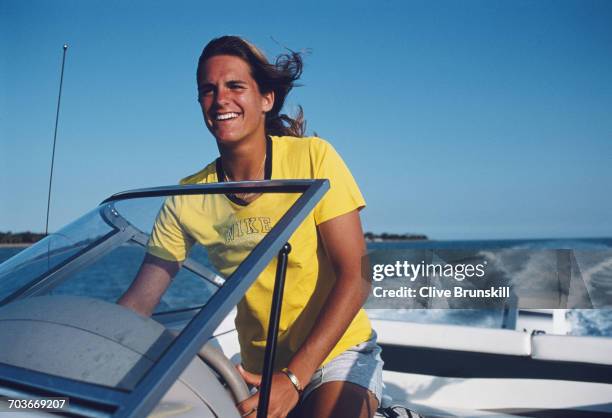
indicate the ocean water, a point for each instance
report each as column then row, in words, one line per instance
column 593, row 322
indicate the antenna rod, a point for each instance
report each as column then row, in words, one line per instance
column 59, row 99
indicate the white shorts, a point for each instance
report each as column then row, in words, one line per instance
column 360, row 364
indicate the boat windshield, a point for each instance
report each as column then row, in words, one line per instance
column 100, row 254
column 66, row 286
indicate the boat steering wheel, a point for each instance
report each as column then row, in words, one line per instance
column 225, row 369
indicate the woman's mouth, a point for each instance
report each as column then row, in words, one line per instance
column 225, row 116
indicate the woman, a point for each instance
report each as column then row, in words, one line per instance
column 328, row 363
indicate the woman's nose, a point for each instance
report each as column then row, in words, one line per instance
column 222, row 97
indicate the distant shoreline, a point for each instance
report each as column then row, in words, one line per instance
column 20, row 239
column 391, row 237
column 397, row 240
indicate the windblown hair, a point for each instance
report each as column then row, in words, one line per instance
column 279, row 78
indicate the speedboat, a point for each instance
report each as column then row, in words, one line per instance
column 67, row 348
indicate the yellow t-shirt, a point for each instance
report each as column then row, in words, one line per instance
column 230, row 230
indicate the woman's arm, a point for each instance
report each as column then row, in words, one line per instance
column 150, row 283
column 343, row 240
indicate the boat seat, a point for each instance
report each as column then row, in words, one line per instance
column 453, row 337
column 581, row 349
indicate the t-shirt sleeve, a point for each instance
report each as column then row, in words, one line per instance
column 343, row 195
column 169, row 240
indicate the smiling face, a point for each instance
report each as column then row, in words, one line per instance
column 233, row 107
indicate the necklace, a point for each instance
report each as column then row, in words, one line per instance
column 248, row 197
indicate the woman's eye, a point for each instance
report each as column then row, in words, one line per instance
column 204, row 91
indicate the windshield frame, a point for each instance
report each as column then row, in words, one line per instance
column 106, row 401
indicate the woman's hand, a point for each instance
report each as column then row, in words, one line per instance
column 283, row 396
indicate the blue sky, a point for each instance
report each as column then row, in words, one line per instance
column 459, row 120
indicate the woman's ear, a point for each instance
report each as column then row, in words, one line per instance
column 267, row 101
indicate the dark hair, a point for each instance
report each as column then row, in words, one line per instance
column 279, row 78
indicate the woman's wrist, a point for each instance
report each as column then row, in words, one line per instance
column 295, row 381
column 302, row 370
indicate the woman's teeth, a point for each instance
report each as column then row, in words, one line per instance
column 226, row 116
